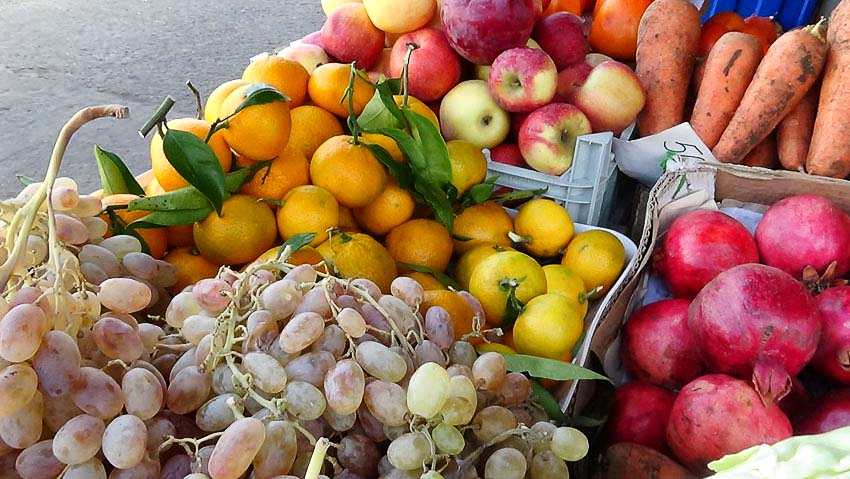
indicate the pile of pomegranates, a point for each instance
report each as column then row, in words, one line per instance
column 753, row 344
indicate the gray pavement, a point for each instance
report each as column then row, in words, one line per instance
column 57, row 56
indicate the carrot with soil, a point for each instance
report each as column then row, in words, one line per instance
column 640, row 462
column 668, row 39
column 794, row 132
column 729, row 68
column 829, row 152
column 764, row 154
column 786, row 73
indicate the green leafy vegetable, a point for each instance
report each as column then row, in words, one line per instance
column 544, row 368
column 115, row 177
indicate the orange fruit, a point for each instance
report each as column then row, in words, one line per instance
column 307, row 209
column 387, row 143
column 427, row 281
column 191, row 267
column 288, row 170
column 245, row 229
column 614, row 28
column 763, row 28
column 457, row 307
column 469, row 165
column 421, row 242
column 391, row 208
column 153, row 188
column 154, row 238
column 303, row 255
column 327, row 86
column 544, row 227
column 312, row 126
column 468, row 261
column 598, row 257
column 347, row 222
column 165, row 174
column 549, row 326
column 489, row 282
column 415, row 104
column 349, row 171
column 572, row 6
column 358, row 255
column 289, row 77
column 482, row 224
column 259, row 132
column 179, row 236
column 494, row 348
column 212, row 109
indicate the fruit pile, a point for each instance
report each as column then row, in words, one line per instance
column 751, row 346
column 758, row 98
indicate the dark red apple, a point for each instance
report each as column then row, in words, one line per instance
column 570, row 79
column 479, row 30
column 561, row 35
column 508, row 154
column 434, row 67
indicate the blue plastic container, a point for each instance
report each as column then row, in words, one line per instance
column 788, row 13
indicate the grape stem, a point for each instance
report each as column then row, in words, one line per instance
column 317, row 459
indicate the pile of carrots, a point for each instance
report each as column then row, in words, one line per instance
column 786, row 107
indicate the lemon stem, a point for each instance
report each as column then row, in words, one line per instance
column 405, row 74
column 349, row 94
column 158, row 117
column 197, row 95
column 517, row 238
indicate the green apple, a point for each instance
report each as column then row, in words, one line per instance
column 468, row 112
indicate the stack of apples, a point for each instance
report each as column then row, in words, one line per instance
column 512, row 77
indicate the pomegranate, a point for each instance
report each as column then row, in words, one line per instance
column 715, row 415
column 829, row 412
column 756, row 321
column 479, row 30
column 657, row 344
column 700, row 245
column 805, row 230
column 639, row 414
column 832, row 358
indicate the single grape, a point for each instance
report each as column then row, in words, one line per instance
column 21, row 332
column 188, row 391
column 96, row 393
column 448, row 439
column 492, row 421
column 344, row 386
column 117, row 340
column 521, row 413
column 460, row 370
column 102, row 258
column 505, row 463
column 360, row 285
column 432, row 474
column 311, row 367
column 304, row 401
column 177, row 467
column 70, row 230
column 428, row 390
column 159, row 428
column 79, row 439
column 358, row 454
column 384, row 466
column 301, row 331
column 519, row 443
column 57, row 363
column 91, row 469
column 278, row 353
column 401, row 314
column 462, row 353
column 181, row 307
column 121, row 245
column 489, row 371
column 260, row 278
column 315, row 427
column 304, row 273
column 197, row 326
column 542, row 438
column 124, row 317
column 146, row 468
column 370, row 425
column 408, row 360
column 38, row 461
column 569, row 444
column 387, row 402
column 474, row 303
column 143, row 393
column 64, row 198
column 96, row 227
column 58, row 411
column 23, row 429
column 150, row 334
column 212, row 295
column 546, row 465
column 380, row 361
column 408, row 290
column 351, row 322
column 339, row 422
column 87, row 206
column 237, row 448
column 215, row 415
column 394, row 432
column 277, row 454
column 262, row 331
column 125, row 441
column 429, row 352
column 347, row 301
column 332, row 340
column 280, row 298
column 203, row 458
column 140, row 265
column 315, row 301
column 515, row 389
column 184, row 361
column 222, row 380
column 378, row 324
column 462, row 403
column 164, row 363
column 439, row 327
column 268, row 374
column 124, row 295
column 93, row 274
column 166, row 275
column 410, row 451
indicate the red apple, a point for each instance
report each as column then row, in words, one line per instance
column 383, row 63
column 348, row 35
column 547, row 139
column 611, row 97
column 479, row 30
column 308, row 55
column 561, row 35
column 523, row 79
column 570, row 79
column 314, row 38
column 434, row 67
column 508, row 154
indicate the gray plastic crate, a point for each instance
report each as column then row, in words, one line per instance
column 586, row 189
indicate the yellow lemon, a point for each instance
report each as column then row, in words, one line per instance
column 496, row 275
column 597, row 257
column 543, row 227
column 562, row 280
column 549, row 327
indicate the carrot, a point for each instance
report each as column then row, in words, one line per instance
column 699, row 74
column 764, row 154
column 730, row 66
column 633, row 461
column 794, row 132
column 784, row 76
column 829, row 152
column 667, row 43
